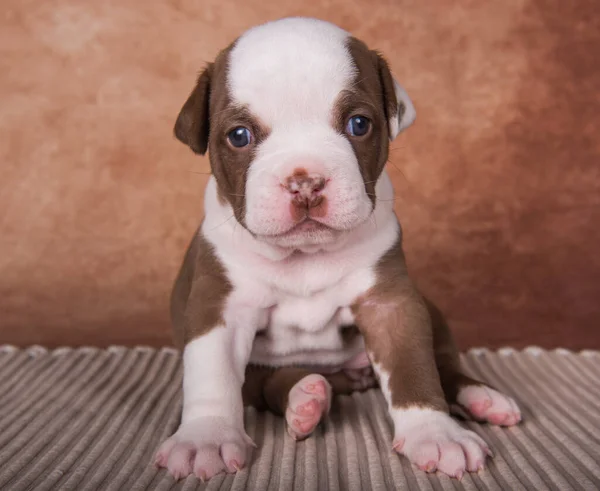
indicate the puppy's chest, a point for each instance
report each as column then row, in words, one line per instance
column 316, row 329
column 307, row 317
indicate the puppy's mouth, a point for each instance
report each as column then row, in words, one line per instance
column 306, row 233
column 306, row 226
column 309, row 225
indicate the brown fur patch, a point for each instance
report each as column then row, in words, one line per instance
column 447, row 358
column 192, row 125
column 372, row 95
column 204, row 122
column 410, row 338
column 396, row 325
column 199, row 294
column 230, row 165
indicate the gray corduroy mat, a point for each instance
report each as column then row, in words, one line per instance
column 80, row 419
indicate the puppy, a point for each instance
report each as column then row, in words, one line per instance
column 295, row 286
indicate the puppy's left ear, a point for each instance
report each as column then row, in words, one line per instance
column 398, row 106
column 192, row 125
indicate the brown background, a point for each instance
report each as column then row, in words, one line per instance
column 498, row 182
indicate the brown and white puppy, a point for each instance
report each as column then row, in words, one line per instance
column 296, row 281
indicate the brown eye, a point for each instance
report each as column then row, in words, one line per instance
column 358, row 126
column 239, row 137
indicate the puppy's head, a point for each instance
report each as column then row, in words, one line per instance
column 297, row 116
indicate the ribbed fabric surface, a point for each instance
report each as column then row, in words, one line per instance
column 83, row 419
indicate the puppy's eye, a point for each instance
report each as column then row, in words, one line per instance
column 239, row 137
column 358, row 126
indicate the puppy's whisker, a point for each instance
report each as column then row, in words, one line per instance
column 221, row 224
column 399, row 170
column 381, row 199
column 237, row 210
column 373, row 220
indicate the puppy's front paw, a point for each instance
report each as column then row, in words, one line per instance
column 432, row 441
column 487, row 404
column 205, row 446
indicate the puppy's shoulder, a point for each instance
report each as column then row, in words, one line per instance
column 392, row 263
column 200, row 289
column 389, row 271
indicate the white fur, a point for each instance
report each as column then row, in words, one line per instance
column 214, row 389
column 211, row 437
column 308, row 65
column 384, row 381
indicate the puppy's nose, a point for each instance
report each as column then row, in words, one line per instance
column 305, row 189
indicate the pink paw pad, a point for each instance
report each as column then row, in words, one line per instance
column 308, row 401
column 479, row 408
column 305, row 426
column 316, row 388
column 311, row 408
column 487, row 404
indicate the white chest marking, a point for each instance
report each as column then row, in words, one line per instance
column 313, row 329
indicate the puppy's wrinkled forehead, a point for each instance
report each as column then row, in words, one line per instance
column 308, row 63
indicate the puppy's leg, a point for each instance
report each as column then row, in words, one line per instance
column 399, row 339
column 481, row 401
column 301, row 396
column 254, row 383
column 216, row 331
column 211, row 438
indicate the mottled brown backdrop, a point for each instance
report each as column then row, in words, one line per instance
column 498, row 182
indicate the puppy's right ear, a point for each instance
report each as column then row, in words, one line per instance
column 399, row 108
column 192, row 125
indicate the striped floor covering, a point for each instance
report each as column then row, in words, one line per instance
column 83, row 419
